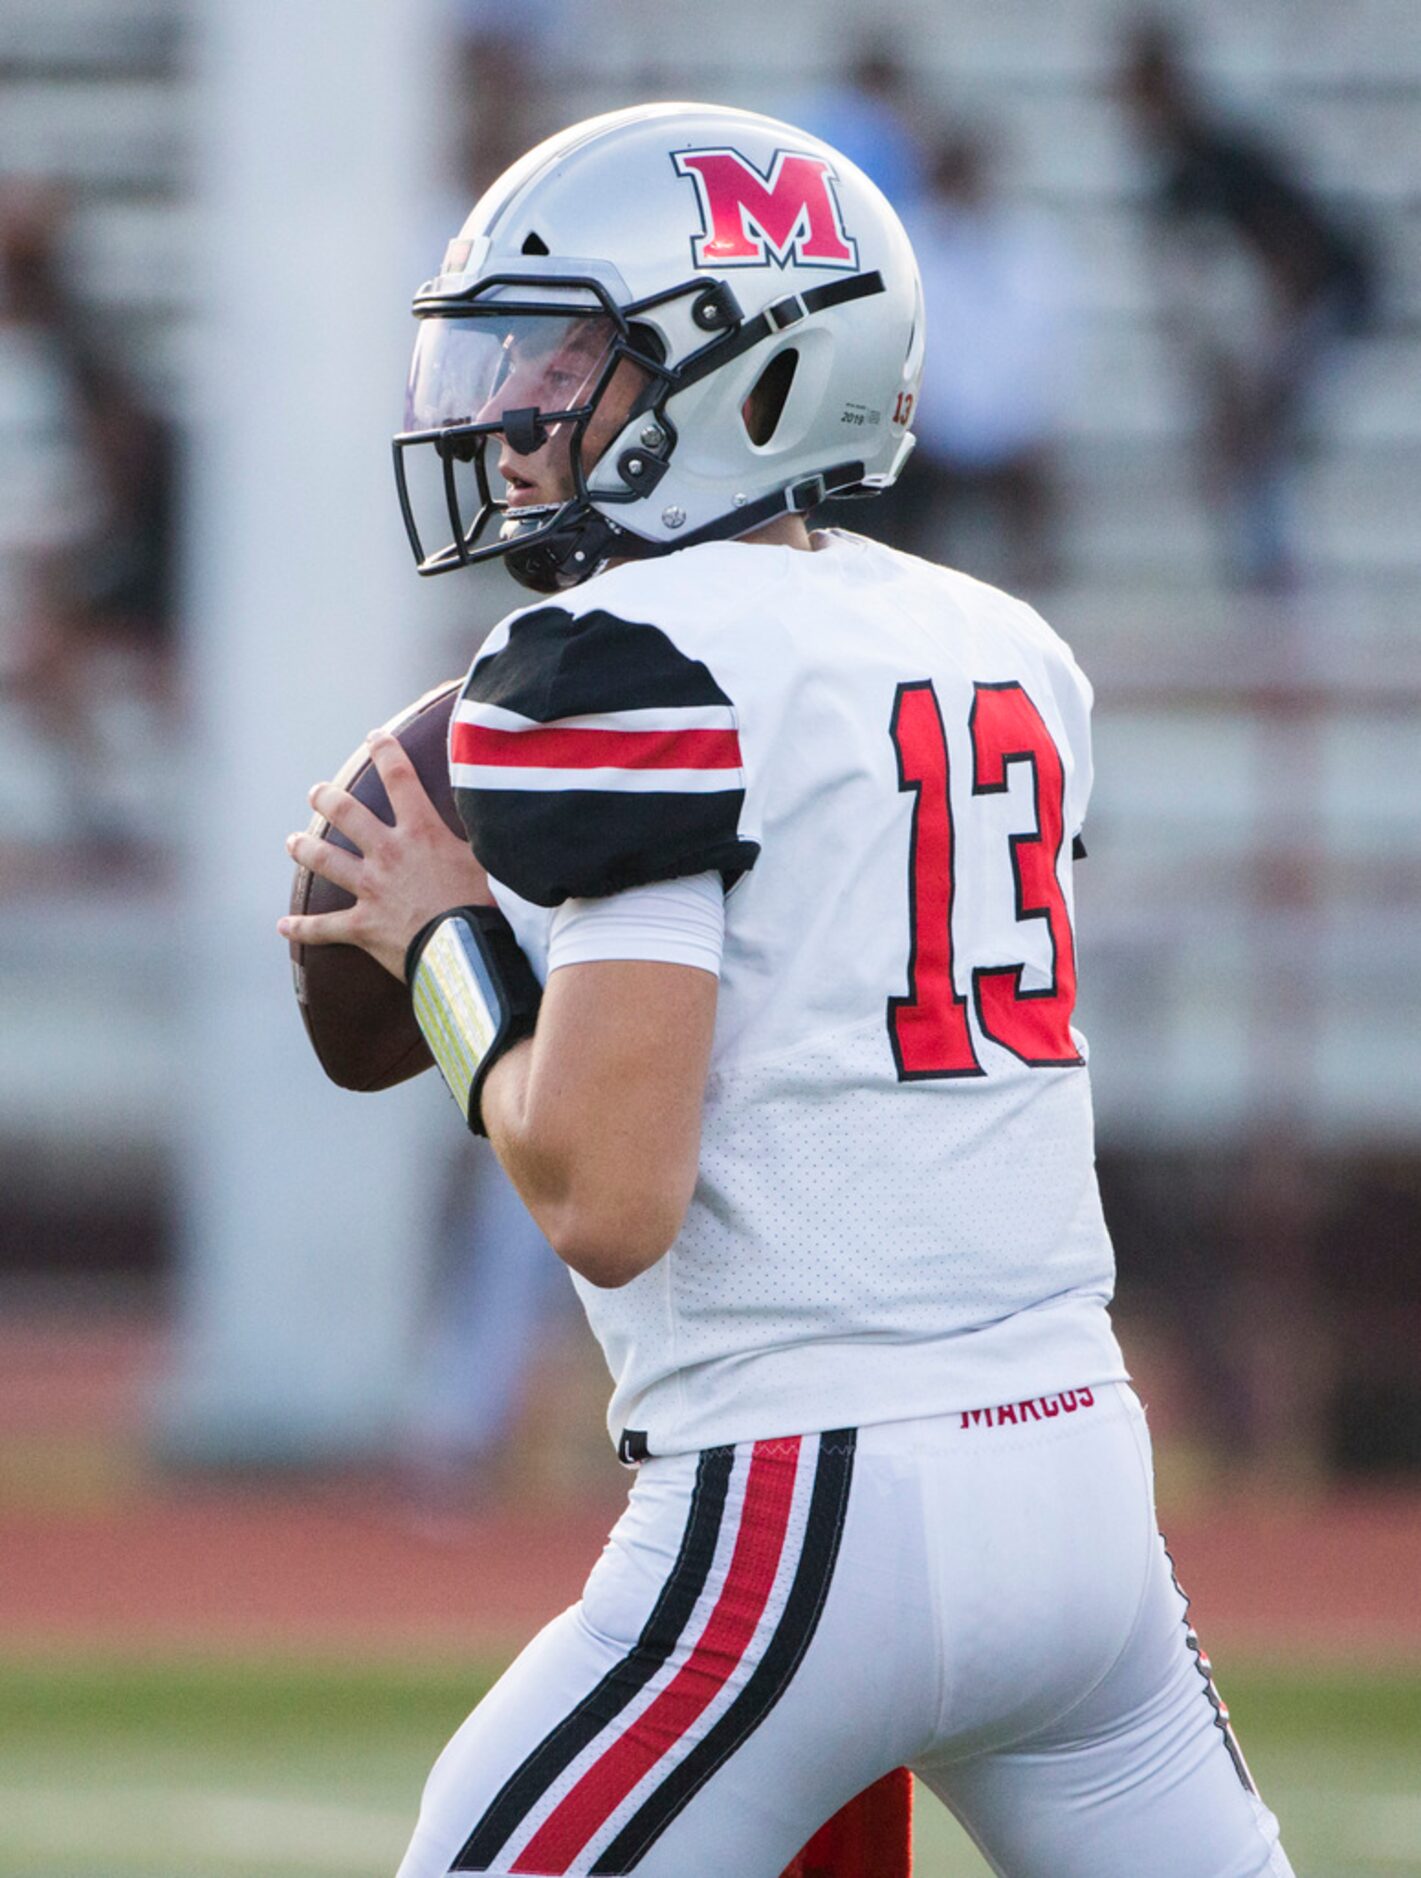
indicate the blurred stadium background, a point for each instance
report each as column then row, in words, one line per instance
column 239, row 1608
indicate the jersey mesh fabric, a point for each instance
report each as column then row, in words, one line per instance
column 859, row 1248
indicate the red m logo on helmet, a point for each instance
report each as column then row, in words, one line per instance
column 749, row 220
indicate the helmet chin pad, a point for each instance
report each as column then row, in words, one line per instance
column 566, row 553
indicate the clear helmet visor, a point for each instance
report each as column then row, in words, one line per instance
column 506, row 413
column 471, row 370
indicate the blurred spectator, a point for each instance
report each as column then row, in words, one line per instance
column 87, row 534
column 497, row 1290
column 873, row 117
column 995, row 278
column 1224, row 201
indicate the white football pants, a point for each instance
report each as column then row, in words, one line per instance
column 773, row 1626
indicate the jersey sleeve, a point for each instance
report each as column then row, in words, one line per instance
column 590, row 754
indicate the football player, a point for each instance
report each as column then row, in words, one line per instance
column 759, row 972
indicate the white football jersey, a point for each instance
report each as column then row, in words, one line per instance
column 897, row 1212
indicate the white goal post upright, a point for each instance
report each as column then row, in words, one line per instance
column 302, row 1205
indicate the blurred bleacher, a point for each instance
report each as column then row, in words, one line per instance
column 96, row 94
column 1255, row 850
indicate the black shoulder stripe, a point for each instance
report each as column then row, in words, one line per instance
column 586, row 844
column 557, row 664
column 589, row 754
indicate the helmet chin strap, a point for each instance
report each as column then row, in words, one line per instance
column 571, row 551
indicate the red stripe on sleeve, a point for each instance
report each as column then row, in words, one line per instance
column 769, row 1493
column 557, row 747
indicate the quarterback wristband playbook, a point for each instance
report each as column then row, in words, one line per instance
column 474, row 997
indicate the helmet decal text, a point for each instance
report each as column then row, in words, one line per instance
column 749, row 219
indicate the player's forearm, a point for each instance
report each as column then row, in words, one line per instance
column 582, row 1172
column 590, row 1090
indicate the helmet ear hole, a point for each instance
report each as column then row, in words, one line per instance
column 765, row 405
column 647, row 340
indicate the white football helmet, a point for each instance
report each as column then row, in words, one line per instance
column 750, row 291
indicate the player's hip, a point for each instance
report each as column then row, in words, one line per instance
column 967, row 1570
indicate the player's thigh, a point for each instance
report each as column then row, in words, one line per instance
column 1143, row 1775
column 505, row 1796
column 549, row 1678
column 717, row 1694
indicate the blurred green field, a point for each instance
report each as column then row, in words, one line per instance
column 189, row 1769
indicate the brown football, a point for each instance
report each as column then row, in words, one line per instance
column 357, row 1016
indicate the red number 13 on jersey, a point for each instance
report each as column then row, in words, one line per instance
column 930, row 1029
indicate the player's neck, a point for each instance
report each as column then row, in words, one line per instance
column 786, row 531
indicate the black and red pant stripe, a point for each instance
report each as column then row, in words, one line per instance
column 666, row 1629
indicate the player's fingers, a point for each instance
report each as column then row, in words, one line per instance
column 352, row 818
column 337, row 865
column 408, row 795
column 319, row 929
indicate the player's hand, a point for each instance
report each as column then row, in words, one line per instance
column 402, row 876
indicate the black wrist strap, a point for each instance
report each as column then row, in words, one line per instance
column 474, row 996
